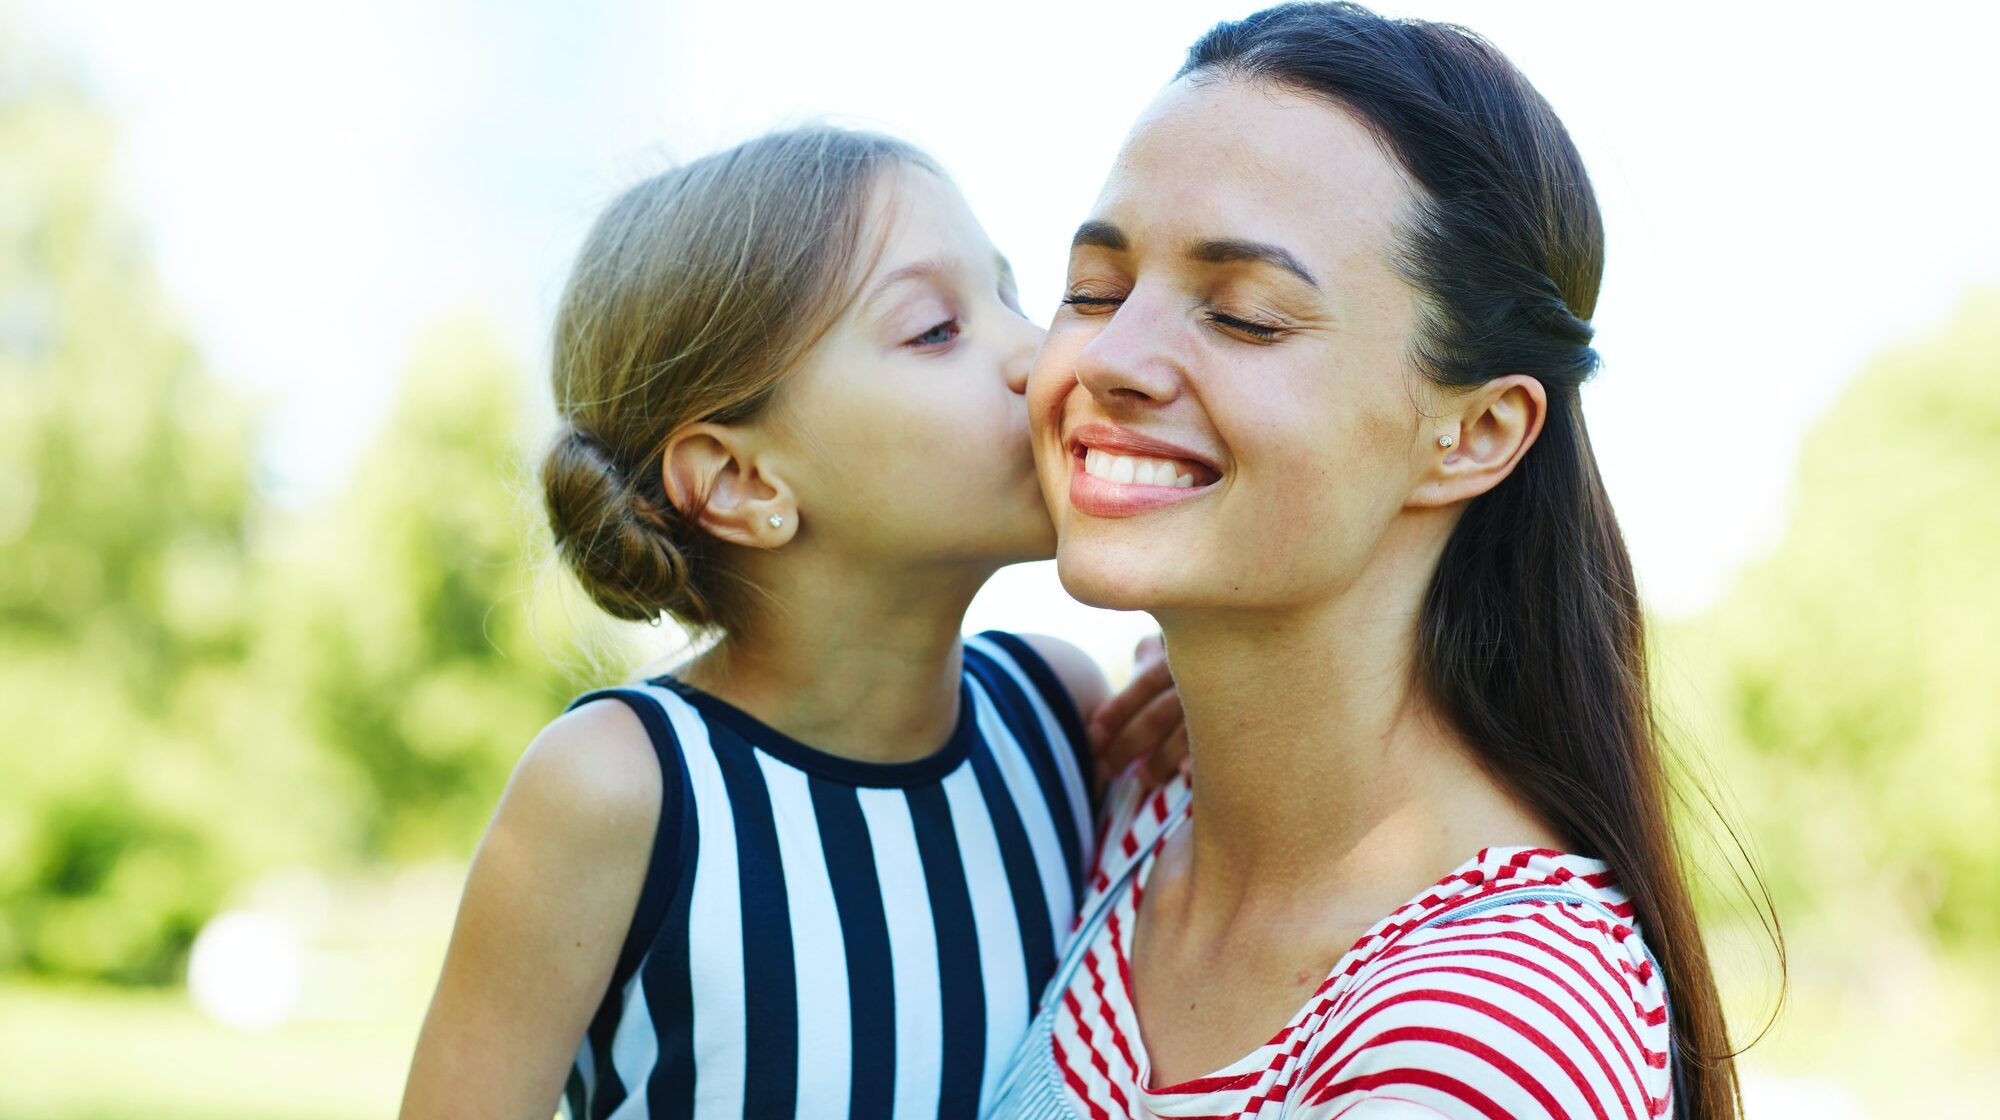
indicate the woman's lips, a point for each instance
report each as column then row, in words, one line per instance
column 1117, row 473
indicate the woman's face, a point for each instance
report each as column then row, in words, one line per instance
column 905, row 433
column 1225, row 412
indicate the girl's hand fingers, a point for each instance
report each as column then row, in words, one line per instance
column 1146, row 730
column 1111, row 718
column 1169, row 758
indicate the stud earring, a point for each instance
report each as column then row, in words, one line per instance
column 776, row 522
column 1446, row 442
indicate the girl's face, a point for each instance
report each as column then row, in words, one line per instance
column 906, row 429
column 1225, row 414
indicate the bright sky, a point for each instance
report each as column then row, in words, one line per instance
column 1787, row 188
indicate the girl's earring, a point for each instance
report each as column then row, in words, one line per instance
column 776, row 522
column 1446, row 442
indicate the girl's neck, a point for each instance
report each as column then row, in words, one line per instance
column 865, row 665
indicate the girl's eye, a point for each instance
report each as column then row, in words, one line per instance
column 939, row 335
column 1087, row 304
column 1259, row 331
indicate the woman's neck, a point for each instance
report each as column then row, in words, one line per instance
column 860, row 664
column 1321, row 764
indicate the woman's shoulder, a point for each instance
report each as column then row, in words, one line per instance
column 1547, row 910
column 1519, row 983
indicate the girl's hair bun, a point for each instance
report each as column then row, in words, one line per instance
column 629, row 550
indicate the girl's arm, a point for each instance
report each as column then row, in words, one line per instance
column 1142, row 721
column 546, row 907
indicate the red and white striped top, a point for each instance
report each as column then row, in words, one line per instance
column 1475, row 999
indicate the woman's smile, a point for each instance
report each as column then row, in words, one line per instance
column 1115, row 472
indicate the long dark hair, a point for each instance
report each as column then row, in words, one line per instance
column 1532, row 638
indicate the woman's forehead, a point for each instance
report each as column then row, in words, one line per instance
column 1220, row 158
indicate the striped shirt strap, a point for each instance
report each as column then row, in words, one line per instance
column 1046, row 682
column 1032, row 1087
column 672, row 838
column 1043, row 716
column 1549, row 895
column 1120, row 867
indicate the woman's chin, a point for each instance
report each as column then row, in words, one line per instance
column 1099, row 579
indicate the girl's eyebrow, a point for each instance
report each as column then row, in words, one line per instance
column 929, row 269
column 1219, row 250
column 940, row 269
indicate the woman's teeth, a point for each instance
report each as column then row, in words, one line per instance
column 1135, row 470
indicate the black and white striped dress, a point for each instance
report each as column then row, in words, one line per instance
column 821, row 937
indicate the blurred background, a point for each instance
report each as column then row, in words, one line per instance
column 276, row 618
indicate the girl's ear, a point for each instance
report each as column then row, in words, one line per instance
column 714, row 477
column 1478, row 444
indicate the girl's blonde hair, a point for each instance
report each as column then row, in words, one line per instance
column 693, row 295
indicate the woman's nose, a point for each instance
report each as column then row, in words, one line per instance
column 1132, row 357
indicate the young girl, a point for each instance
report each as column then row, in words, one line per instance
column 827, row 866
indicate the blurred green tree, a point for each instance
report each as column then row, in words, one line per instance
column 143, row 773
column 407, row 624
column 1849, row 680
column 198, row 686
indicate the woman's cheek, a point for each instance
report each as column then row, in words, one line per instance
column 1052, row 376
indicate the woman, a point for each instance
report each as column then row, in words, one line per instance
column 1312, row 401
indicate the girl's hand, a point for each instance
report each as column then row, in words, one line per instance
column 1143, row 721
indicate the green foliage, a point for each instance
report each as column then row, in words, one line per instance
column 1849, row 680
column 406, row 625
column 124, row 482
column 95, row 1054
column 199, row 687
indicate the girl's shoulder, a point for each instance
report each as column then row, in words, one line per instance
column 592, row 773
column 1065, row 676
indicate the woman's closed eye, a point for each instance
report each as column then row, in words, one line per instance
column 1249, row 329
column 1261, row 332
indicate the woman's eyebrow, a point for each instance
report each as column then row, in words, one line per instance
column 1220, row 250
column 1227, row 250
column 1104, row 235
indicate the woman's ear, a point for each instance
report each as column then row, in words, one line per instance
column 1478, row 443
column 715, row 478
